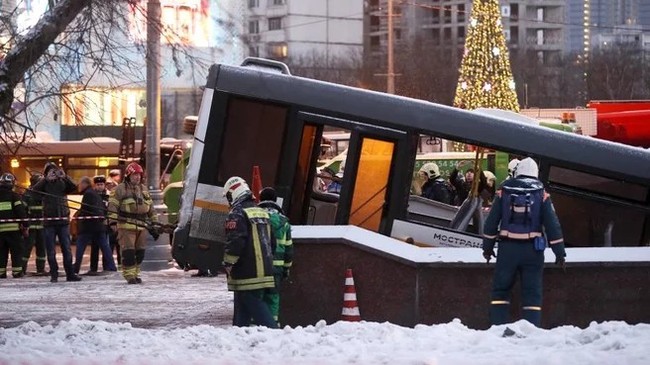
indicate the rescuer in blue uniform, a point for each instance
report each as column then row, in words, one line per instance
column 248, row 257
column 521, row 213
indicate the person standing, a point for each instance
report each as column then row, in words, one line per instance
column 435, row 188
column 132, row 207
column 92, row 230
column 34, row 203
column 54, row 188
column 108, row 264
column 522, row 212
column 248, row 258
column 283, row 254
column 12, row 232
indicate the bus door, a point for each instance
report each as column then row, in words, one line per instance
column 372, row 177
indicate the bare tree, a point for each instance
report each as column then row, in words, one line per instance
column 616, row 72
column 76, row 42
column 345, row 70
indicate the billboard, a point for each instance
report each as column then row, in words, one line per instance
column 185, row 22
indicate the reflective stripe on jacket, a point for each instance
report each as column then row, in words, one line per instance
column 131, row 206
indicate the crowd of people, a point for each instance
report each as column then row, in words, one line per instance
column 113, row 216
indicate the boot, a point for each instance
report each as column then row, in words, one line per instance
column 74, row 277
column 18, row 275
column 132, row 281
column 129, row 269
column 54, row 279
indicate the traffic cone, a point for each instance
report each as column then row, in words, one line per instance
column 350, row 306
column 257, row 183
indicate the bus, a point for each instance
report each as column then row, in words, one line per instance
column 87, row 157
column 258, row 114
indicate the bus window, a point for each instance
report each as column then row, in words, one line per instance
column 303, row 173
column 370, row 189
column 589, row 222
column 253, row 136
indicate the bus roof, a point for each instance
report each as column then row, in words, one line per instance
column 417, row 116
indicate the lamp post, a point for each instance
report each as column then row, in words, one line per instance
column 153, row 100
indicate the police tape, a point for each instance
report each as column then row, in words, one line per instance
column 13, row 220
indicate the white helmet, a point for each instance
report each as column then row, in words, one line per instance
column 512, row 166
column 490, row 177
column 527, row 167
column 431, row 169
column 235, row 188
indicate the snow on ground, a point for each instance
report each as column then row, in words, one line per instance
column 87, row 342
column 166, row 299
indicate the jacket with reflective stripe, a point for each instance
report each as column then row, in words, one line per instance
column 132, row 206
column 34, row 203
column 549, row 220
column 11, row 207
column 249, row 247
column 283, row 255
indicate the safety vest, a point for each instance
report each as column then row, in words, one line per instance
column 521, row 211
column 281, row 230
column 132, row 207
column 7, row 212
column 261, row 275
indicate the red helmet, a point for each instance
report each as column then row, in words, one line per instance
column 133, row 168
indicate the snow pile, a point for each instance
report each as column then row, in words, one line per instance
column 87, row 342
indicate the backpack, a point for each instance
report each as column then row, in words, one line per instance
column 522, row 209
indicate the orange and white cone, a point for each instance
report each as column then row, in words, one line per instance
column 350, row 306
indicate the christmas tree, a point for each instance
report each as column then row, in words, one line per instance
column 485, row 76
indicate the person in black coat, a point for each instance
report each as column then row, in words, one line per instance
column 92, row 230
column 54, row 188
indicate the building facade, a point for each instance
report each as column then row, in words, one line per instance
column 294, row 29
column 196, row 34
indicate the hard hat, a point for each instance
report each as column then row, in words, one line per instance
column 235, row 188
column 268, row 194
column 431, row 169
column 527, row 167
column 7, row 180
column 512, row 166
column 35, row 178
column 489, row 176
column 133, row 168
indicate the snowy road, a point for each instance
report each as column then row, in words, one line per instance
column 167, row 299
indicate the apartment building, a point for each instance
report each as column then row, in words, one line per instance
column 291, row 29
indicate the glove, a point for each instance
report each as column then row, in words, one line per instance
column 153, row 232
column 285, row 273
column 227, row 268
column 488, row 254
column 561, row 262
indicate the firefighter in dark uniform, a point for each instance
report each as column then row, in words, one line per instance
column 34, row 203
column 11, row 233
column 248, row 258
column 521, row 213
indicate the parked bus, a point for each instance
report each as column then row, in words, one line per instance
column 263, row 116
column 87, row 157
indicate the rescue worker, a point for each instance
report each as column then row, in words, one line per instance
column 11, row 233
column 54, row 188
column 36, row 239
column 114, row 179
column 522, row 212
column 336, row 184
column 248, row 258
column 463, row 183
column 283, row 254
column 108, row 264
column 435, row 188
column 132, row 207
column 512, row 167
column 92, row 230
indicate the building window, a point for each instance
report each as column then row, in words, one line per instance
column 435, row 35
column 435, row 14
column 461, row 34
column 446, row 35
column 460, row 14
column 254, row 27
column 398, row 34
column 514, row 35
column 278, row 50
column 447, row 14
column 514, row 11
column 253, row 3
column 278, row 2
column 253, row 51
column 101, row 106
column 375, row 41
column 275, row 23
